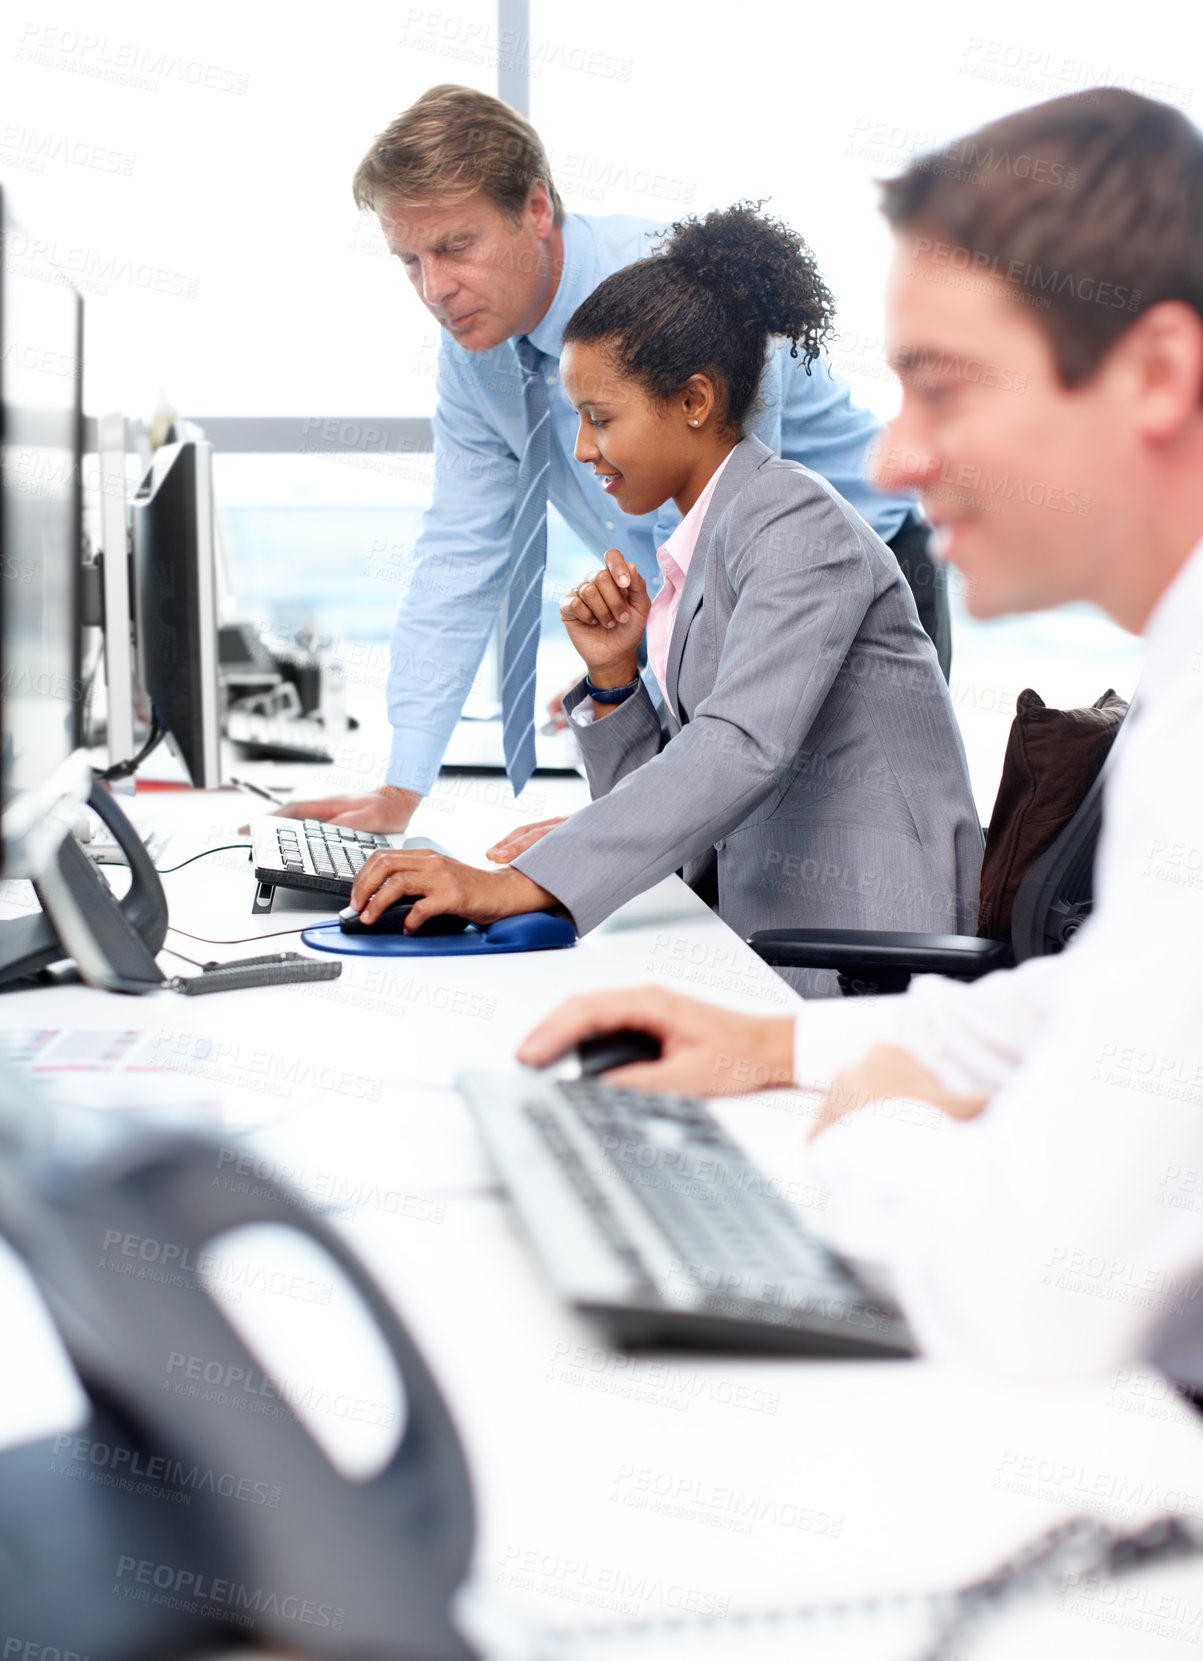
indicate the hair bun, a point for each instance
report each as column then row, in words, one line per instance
column 717, row 290
column 762, row 271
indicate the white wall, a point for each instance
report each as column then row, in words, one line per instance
column 208, row 149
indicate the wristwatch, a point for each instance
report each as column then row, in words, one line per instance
column 612, row 694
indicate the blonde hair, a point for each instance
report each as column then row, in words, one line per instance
column 450, row 144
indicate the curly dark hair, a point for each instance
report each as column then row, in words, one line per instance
column 706, row 302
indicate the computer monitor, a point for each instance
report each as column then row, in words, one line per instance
column 118, row 608
column 41, row 441
column 44, row 774
column 175, row 605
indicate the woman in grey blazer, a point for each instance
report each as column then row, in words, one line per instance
column 803, row 763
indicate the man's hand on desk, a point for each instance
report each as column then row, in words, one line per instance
column 517, row 842
column 884, row 1071
column 386, row 809
column 444, row 885
column 707, row 1051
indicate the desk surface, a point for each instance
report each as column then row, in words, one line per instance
column 612, row 1490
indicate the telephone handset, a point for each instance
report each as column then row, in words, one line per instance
column 336, row 1568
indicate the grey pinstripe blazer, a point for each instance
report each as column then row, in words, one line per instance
column 812, row 757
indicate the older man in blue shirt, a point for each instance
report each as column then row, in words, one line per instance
column 464, row 195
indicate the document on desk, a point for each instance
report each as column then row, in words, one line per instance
column 1140, row 1586
column 1064, row 1604
column 173, row 1073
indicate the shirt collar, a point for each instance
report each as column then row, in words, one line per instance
column 1174, row 632
column 579, row 276
column 684, row 539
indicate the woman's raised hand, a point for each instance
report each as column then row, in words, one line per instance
column 605, row 617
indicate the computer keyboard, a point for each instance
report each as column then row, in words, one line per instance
column 278, row 737
column 320, row 858
column 650, row 1219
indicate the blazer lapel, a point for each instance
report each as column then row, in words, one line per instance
column 748, row 455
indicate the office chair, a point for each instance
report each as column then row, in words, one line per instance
column 1052, row 901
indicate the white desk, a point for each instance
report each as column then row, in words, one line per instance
column 612, row 1489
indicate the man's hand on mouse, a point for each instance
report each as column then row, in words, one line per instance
column 438, row 884
column 706, row 1051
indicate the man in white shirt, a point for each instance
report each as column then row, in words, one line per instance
column 1042, row 1213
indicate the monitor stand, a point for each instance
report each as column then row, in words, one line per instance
column 113, row 942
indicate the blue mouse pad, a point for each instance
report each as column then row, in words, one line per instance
column 533, row 931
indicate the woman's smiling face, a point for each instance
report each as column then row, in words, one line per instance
column 639, row 447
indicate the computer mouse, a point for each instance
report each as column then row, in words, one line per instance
column 616, row 1049
column 392, row 921
column 531, row 931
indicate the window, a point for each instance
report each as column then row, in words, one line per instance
column 191, row 168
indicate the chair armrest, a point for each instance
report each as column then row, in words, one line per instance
column 862, row 955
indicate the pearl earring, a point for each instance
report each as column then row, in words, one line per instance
column 693, row 423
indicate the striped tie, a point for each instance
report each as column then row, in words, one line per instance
column 528, row 560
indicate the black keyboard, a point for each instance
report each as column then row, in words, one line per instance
column 652, row 1220
column 320, row 858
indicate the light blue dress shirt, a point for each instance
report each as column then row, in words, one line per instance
column 449, row 612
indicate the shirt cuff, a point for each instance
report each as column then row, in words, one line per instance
column 414, row 759
column 582, row 715
column 830, row 1035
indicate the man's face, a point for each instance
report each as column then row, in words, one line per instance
column 1018, row 473
column 483, row 276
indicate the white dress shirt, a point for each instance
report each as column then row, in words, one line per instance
column 1059, row 1234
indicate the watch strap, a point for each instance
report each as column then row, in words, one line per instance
column 612, row 694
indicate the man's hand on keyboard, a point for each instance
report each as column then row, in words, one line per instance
column 445, row 886
column 707, row 1051
column 887, row 1070
column 386, row 809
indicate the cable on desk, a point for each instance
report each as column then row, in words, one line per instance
column 124, row 769
column 227, row 847
column 244, row 940
column 182, row 957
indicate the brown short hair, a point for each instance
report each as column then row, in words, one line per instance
column 1089, row 206
column 452, row 143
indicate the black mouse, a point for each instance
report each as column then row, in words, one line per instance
column 616, row 1049
column 392, row 921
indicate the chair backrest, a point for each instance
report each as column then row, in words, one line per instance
column 1057, row 892
column 1045, row 823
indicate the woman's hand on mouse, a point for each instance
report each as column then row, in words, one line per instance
column 606, row 616
column 439, row 885
column 706, row 1051
column 517, row 842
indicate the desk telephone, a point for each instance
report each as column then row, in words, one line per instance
column 337, row 1568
